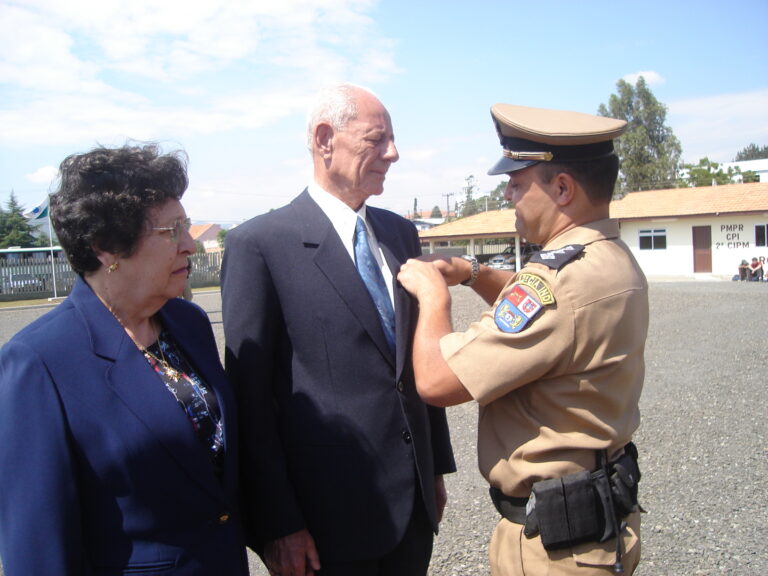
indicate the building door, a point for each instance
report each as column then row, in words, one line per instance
column 702, row 249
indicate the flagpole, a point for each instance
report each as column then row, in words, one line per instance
column 50, row 245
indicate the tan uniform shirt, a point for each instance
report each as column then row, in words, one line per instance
column 568, row 381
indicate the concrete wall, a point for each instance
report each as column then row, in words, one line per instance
column 733, row 239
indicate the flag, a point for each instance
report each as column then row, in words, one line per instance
column 39, row 212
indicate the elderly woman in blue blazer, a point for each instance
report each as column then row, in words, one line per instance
column 119, row 441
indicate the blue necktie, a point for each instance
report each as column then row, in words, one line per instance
column 371, row 274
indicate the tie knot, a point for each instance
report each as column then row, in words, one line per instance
column 361, row 232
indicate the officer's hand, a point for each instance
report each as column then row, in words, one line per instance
column 455, row 270
column 292, row 555
column 423, row 280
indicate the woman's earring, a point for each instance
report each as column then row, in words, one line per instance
column 112, row 267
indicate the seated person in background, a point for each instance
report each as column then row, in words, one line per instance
column 744, row 270
column 756, row 270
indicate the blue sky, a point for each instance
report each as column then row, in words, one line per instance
column 229, row 82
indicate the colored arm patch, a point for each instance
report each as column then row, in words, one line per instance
column 524, row 301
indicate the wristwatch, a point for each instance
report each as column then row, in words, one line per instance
column 475, row 269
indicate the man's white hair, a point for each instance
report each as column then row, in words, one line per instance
column 334, row 105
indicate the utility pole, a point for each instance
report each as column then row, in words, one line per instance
column 447, row 205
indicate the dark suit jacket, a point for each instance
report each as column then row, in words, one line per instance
column 335, row 437
column 100, row 470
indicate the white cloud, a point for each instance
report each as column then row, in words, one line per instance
column 44, row 175
column 35, row 56
column 85, row 70
column 719, row 126
column 651, row 78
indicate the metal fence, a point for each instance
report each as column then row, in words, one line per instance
column 28, row 276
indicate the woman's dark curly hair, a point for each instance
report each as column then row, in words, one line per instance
column 104, row 197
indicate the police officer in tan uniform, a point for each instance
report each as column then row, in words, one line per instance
column 556, row 364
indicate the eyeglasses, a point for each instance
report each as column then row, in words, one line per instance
column 180, row 225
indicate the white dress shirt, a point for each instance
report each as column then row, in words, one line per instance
column 344, row 220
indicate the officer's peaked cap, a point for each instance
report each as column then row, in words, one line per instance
column 531, row 135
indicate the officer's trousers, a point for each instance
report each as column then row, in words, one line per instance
column 512, row 554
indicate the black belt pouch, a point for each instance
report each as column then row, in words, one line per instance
column 566, row 510
column 551, row 513
column 585, row 521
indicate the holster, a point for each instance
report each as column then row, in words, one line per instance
column 579, row 507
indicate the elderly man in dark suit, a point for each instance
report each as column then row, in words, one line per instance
column 342, row 461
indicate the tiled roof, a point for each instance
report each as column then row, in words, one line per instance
column 491, row 224
column 677, row 202
column 423, row 214
column 705, row 200
column 197, row 230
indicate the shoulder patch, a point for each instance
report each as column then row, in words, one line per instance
column 521, row 304
column 556, row 259
column 538, row 285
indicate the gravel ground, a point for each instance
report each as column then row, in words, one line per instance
column 703, row 442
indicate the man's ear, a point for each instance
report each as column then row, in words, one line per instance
column 324, row 139
column 565, row 188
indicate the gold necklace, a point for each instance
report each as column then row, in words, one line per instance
column 168, row 370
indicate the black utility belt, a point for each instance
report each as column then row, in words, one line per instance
column 581, row 507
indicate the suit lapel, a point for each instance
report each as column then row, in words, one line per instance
column 332, row 258
column 142, row 392
column 391, row 247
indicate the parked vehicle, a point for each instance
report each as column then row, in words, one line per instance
column 24, row 283
column 501, row 262
column 506, row 259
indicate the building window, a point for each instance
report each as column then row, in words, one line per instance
column 653, row 239
column 761, row 235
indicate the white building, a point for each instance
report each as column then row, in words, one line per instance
column 683, row 232
column 759, row 167
column 693, row 231
column 207, row 235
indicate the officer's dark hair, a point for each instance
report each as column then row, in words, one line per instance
column 597, row 177
column 104, row 198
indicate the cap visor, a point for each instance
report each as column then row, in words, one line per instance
column 507, row 165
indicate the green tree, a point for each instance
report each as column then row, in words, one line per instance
column 708, row 173
column 15, row 229
column 494, row 200
column 436, row 213
column 750, row 176
column 497, row 199
column 649, row 151
column 751, row 152
column 469, row 206
column 221, row 236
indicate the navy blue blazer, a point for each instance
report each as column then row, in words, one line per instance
column 334, row 436
column 100, row 470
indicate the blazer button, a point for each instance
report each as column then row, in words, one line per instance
column 406, row 436
column 224, row 518
column 400, row 386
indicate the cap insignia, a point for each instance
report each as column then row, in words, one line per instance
column 537, row 156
